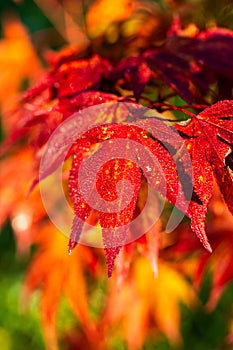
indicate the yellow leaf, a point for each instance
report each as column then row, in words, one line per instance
column 105, row 12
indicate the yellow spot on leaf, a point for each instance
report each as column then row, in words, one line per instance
column 201, row 178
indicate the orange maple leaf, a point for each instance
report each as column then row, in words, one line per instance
column 16, row 175
column 105, row 12
column 155, row 303
column 56, row 273
column 18, row 61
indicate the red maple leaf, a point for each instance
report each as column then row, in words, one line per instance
column 133, row 71
column 209, row 138
column 190, row 65
column 136, row 152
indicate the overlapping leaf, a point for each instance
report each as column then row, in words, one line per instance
column 60, row 93
column 14, row 204
column 190, row 65
column 219, row 263
column 150, row 296
column 15, row 68
column 162, row 175
column 135, row 72
column 208, row 138
column 65, row 276
column 204, row 46
column 186, row 65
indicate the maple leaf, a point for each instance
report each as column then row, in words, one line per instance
column 208, row 137
column 110, row 174
column 174, row 71
column 206, row 66
column 220, row 233
column 153, row 156
column 189, row 65
column 148, row 245
column 15, row 67
column 70, row 76
column 111, row 218
column 204, row 46
column 77, row 76
column 65, row 89
column 14, row 203
column 151, row 297
column 39, row 117
column 104, row 12
column 219, row 263
column 65, row 276
column 135, row 72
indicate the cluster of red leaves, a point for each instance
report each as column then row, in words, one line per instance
column 182, row 64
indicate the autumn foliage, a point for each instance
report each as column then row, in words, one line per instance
column 151, row 78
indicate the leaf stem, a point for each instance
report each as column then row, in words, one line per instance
column 175, row 108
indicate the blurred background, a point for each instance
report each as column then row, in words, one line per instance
column 51, row 301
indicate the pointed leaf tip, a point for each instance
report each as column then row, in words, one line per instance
column 207, row 246
column 71, row 245
column 111, row 254
column 32, row 186
column 204, row 240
